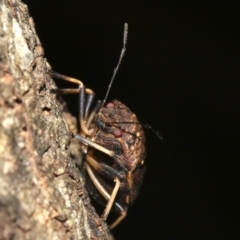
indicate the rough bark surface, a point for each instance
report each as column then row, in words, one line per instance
column 41, row 191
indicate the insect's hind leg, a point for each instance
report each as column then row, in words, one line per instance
column 118, row 220
column 109, row 173
column 111, row 199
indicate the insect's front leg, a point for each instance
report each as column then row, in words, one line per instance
column 86, row 97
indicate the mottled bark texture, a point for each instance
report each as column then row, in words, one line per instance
column 41, row 191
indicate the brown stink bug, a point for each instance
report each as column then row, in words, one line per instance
column 114, row 145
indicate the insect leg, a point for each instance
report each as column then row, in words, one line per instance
column 100, row 187
column 118, row 220
column 65, row 78
column 104, row 169
column 84, row 103
column 89, row 101
column 93, row 112
column 105, row 194
column 111, row 199
column 67, row 90
column 110, row 173
column 93, row 144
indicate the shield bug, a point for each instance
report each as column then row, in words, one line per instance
column 114, row 145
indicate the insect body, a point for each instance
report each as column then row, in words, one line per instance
column 114, row 144
column 127, row 142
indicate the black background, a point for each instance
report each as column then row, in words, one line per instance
column 181, row 75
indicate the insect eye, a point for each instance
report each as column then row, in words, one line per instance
column 110, row 105
column 117, row 133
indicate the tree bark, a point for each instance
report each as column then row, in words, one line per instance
column 41, row 190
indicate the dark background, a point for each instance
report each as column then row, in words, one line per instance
column 180, row 75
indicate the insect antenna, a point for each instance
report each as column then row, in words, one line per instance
column 144, row 125
column 157, row 133
column 125, row 35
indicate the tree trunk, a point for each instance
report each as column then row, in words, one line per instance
column 41, row 191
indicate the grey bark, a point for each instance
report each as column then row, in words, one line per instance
column 41, row 190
